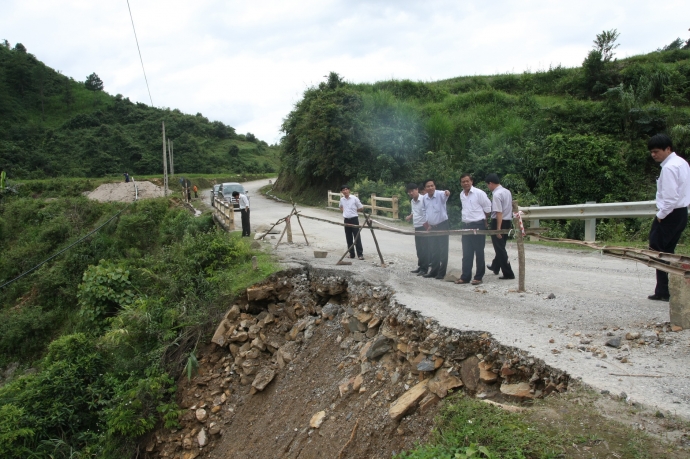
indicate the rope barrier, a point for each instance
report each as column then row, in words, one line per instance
column 136, row 198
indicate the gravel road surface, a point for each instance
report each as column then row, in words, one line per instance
column 596, row 298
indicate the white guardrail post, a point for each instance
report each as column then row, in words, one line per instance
column 590, row 227
column 589, row 212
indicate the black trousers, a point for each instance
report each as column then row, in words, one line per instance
column 421, row 243
column 501, row 260
column 438, row 250
column 664, row 237
column 473, row 246
column 245, row 222
column 351, row 234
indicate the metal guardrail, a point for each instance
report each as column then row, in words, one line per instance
column 589, row 212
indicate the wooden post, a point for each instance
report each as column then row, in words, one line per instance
column 521, row 249
column 373, row 203
column 172, row 158
column 395, row 207
column 289, row 230
column 165, row 165
column 368, row 222
column 287, row 220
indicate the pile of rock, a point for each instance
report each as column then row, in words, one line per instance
column 393, row 359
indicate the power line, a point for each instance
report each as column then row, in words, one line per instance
column 139, row 49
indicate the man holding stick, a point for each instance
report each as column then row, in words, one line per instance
column 475, row 208
column 672, row 201
column 436, row 220
column 350, row 206
column 501, row 218
column 418, row 217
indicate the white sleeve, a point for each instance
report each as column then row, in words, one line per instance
column 667, row 196
column 485, row 203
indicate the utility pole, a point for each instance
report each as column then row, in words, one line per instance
column 172, row 163
column 165, row 165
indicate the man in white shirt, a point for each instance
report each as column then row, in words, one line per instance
column 350, row 206
column 244, row 212
column 475, row 208
column 436, row 220
column 501, row 218
column 418, row 217
column 672, row 200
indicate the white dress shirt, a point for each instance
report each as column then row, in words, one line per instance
column 672, row 186
column 435, row 207
column 350, row 206
column 418, row 214
column 475, row 205
column 243, row 201
column 502, row 202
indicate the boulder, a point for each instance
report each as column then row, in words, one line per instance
column 263, row 377
column 469, row 372
column 380, row 346
column 260, row 292
column 443, row 382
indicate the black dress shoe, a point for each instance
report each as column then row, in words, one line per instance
column 506, row 277
column 440, row 276
column 416, row 270
column 422, row 272
column 491, row 268
column 658, row 297
column 431, row 274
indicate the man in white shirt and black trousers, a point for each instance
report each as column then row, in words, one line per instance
column 436, row 220
column 475, row 208
column 672, row 201
column 350, row 206
column 243, row 201
column 501, row 218
column 418, row 217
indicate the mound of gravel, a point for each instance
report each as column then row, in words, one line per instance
column 124, row 192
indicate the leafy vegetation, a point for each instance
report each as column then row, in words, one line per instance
column 109, row 324
column 560, row 136
column 52, row 125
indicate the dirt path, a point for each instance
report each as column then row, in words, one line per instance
column 597, row 298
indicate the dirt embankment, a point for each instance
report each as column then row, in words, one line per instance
column 125, row 192
column 311, row 365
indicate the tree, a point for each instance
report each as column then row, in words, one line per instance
column 234, row 151
column 93, row 83
column 605, row 43
column 20, row 48
column 251, row 137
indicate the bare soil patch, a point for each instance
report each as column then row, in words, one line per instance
column 125, row 192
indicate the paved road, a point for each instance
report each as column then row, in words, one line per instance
column 594, row 294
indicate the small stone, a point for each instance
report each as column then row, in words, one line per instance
column 357, row 383
column 263, row 377
column 552, row 341
column 676, row 328
column 317, row 420
column 443, row 382
column 407, row 400
column 632, row 335
column 485, row 373
column 570, row 346
column 201, row 415
column 614, row 342
column 380, row 346
column 213, row 428
column 216, row 409
column 202, row 438
column 624, row 360
column 426, row 365
column 186, row 443
column 551, row 296
column 585, row 341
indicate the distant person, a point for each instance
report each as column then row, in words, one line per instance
column 126, row 177
column 350, row 206
column 475, row 209
column 436, row 220
column 244, row 212
column 672, row 201
column 501, row 218
column 418, row 218
column 196, row 191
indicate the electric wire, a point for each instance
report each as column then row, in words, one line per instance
column 81, row 239
column 139, row 49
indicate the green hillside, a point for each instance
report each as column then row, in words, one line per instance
column 52, row 125
column 560, row 136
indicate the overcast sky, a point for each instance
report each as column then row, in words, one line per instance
column 247, row 63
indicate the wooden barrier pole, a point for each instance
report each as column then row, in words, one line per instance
column 521, row 250
column 359, row 233
column 287, row 219
column 395, row 207
column 368, row 222
column 289, row 229
column 373, row 204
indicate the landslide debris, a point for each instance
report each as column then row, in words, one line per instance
column 310, row 364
